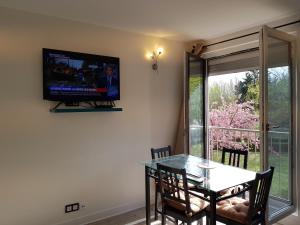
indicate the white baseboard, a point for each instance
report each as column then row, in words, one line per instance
column 103, row 214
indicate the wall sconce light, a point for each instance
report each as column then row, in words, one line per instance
column 154, row 56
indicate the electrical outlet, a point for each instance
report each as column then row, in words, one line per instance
column 72, row 207
column 76, row 207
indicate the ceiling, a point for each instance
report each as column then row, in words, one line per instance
column 172, row 19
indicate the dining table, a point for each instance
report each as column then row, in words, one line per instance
column 210, row 178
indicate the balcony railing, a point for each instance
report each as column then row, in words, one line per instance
column 236, row 138
column 219, row 137
column 279, row 143
column 233, row 137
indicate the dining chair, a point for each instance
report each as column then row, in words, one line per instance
column 177, row 202
column 233, row 157
column 157, row 153
column 239, row 211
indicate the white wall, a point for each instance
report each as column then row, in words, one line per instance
column 48, row 159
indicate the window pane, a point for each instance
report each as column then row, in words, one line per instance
column 279, row 122
column 196, row 105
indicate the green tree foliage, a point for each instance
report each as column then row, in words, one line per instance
column 248, row 89
column 279, row 95
column 220, row 94
column 196, row 99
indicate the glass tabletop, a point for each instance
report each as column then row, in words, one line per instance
column 209, row 175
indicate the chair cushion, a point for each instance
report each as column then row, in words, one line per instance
column 196, row 204
column 234, row 208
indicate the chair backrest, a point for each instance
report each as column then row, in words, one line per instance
column 157, row 153
column 173, row 187
column 259, row 193
column 234, row 158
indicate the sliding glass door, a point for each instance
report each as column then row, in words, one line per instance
column 277, row 113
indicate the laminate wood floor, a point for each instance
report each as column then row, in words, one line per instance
column 136, row 217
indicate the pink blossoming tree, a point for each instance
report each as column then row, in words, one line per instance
column 233, row 115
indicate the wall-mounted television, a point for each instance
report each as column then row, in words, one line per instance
column 75, row 77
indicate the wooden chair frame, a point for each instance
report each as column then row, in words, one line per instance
column 169, row 180
column 157, row 153
column 235, row 157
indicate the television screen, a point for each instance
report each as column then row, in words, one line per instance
column 74, row 77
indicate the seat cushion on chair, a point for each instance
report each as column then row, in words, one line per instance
column 234, row 208
column 196, row 204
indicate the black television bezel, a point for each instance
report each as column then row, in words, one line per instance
column 107, row 59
